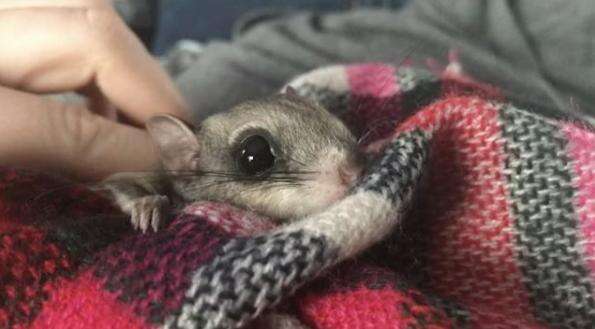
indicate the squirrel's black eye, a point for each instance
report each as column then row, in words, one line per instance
column 255, row 155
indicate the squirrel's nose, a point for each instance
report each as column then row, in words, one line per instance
column 349, row 174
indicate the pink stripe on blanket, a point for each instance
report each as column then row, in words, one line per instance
column 581, row 149
column 377, row 80
column 83, row 303
column 152, row 272
column 463, row 218
column 230, row 219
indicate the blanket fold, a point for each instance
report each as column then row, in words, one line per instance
column 474, row 214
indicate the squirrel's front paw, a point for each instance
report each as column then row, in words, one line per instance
column 148, row 211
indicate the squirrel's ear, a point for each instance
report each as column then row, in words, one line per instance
column 290, row 91
column 176, row 142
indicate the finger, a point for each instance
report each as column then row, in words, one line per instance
column 50, row 49
column 99, row 104
column 50, row 136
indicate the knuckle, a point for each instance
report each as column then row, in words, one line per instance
column 75, row 136
column 99, row 18
column 103, row 25
column 82, row 130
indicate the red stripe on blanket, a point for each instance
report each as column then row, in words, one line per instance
column 28, row 197
column 581, row 149
column 365, row 308
column 27, row 264
column 463, row 216
column 358, row 295
column 83, row 303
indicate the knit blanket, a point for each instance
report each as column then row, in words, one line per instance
column 475, row 214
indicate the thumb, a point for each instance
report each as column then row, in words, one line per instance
column 42, row 134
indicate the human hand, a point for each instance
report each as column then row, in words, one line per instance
column 53, row 46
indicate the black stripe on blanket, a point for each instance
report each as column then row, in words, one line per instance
column 418, row 88
column 248, row 275
column 397, row 173
column 539, row 180
column 333, row 101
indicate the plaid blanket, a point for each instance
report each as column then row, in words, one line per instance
column 476, row 214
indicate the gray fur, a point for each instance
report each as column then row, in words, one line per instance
column 303, row 133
